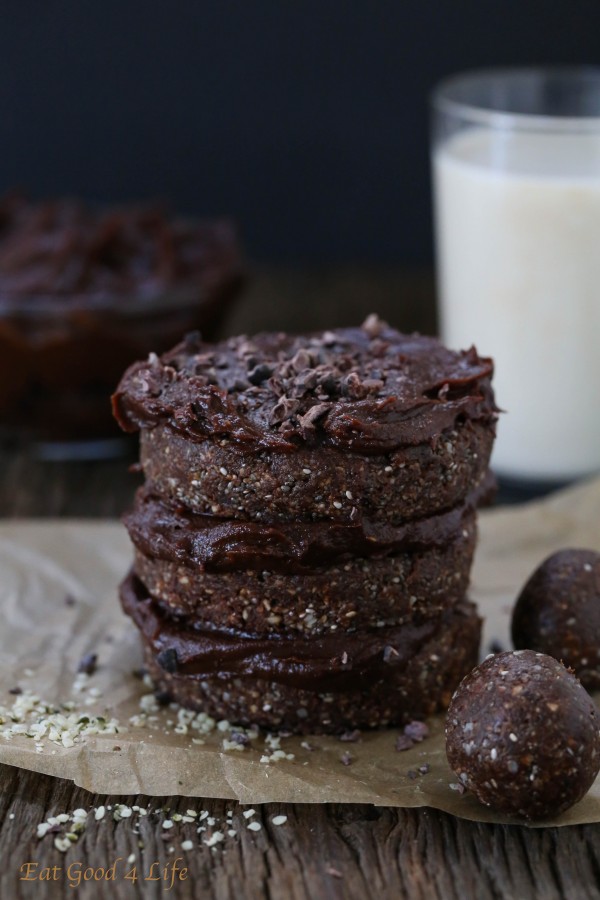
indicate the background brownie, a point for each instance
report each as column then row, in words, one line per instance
column 85, row 291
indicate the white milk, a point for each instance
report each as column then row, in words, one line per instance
column 519, row 276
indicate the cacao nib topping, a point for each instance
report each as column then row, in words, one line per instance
column 374, row 390
column 310, row 419
column 167, row 660
column 260, row 373
column 163, row 698
column 87, row 664
column 192, row 341
column 416, row 731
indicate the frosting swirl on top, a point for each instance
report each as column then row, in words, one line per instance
column 368, row 390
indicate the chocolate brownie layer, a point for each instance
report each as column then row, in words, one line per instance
column 352, row 595
column 309, row 577
column 366, row 391
column 219, row 477
column 174, row 533
column 318, row 684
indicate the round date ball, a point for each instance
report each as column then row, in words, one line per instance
column 523, row 735
column 558, row 613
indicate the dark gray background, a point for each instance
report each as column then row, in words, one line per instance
column 305, row 120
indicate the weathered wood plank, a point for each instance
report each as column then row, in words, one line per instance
column 334, row 851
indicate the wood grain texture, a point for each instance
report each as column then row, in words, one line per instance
column 321, row 852
column 332, row 851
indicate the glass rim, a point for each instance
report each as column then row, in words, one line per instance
column 442, row 101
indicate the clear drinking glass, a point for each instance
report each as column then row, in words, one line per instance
column 516, row 172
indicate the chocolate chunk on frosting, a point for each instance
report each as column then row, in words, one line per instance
column 369, row 389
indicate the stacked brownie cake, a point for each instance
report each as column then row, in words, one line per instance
column 304, row 536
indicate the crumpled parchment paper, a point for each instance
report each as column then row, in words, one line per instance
column 44, row 636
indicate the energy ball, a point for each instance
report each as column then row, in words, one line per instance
column 523, row 735
column 558, row 612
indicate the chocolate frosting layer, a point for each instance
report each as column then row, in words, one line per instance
column 369, row 390
column 172, row 533
column 334, row 662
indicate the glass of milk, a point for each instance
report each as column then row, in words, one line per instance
column 516, row 171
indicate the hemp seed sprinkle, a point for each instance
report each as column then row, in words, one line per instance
column 215, row 838
column 62, row 844
column 59, row 723
column 456, row 786
column 67, row 827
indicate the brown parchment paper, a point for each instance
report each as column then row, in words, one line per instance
column 43, row 638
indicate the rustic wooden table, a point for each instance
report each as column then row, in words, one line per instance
column 333, row 851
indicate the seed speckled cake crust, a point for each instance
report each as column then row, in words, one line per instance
column 218, row 478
